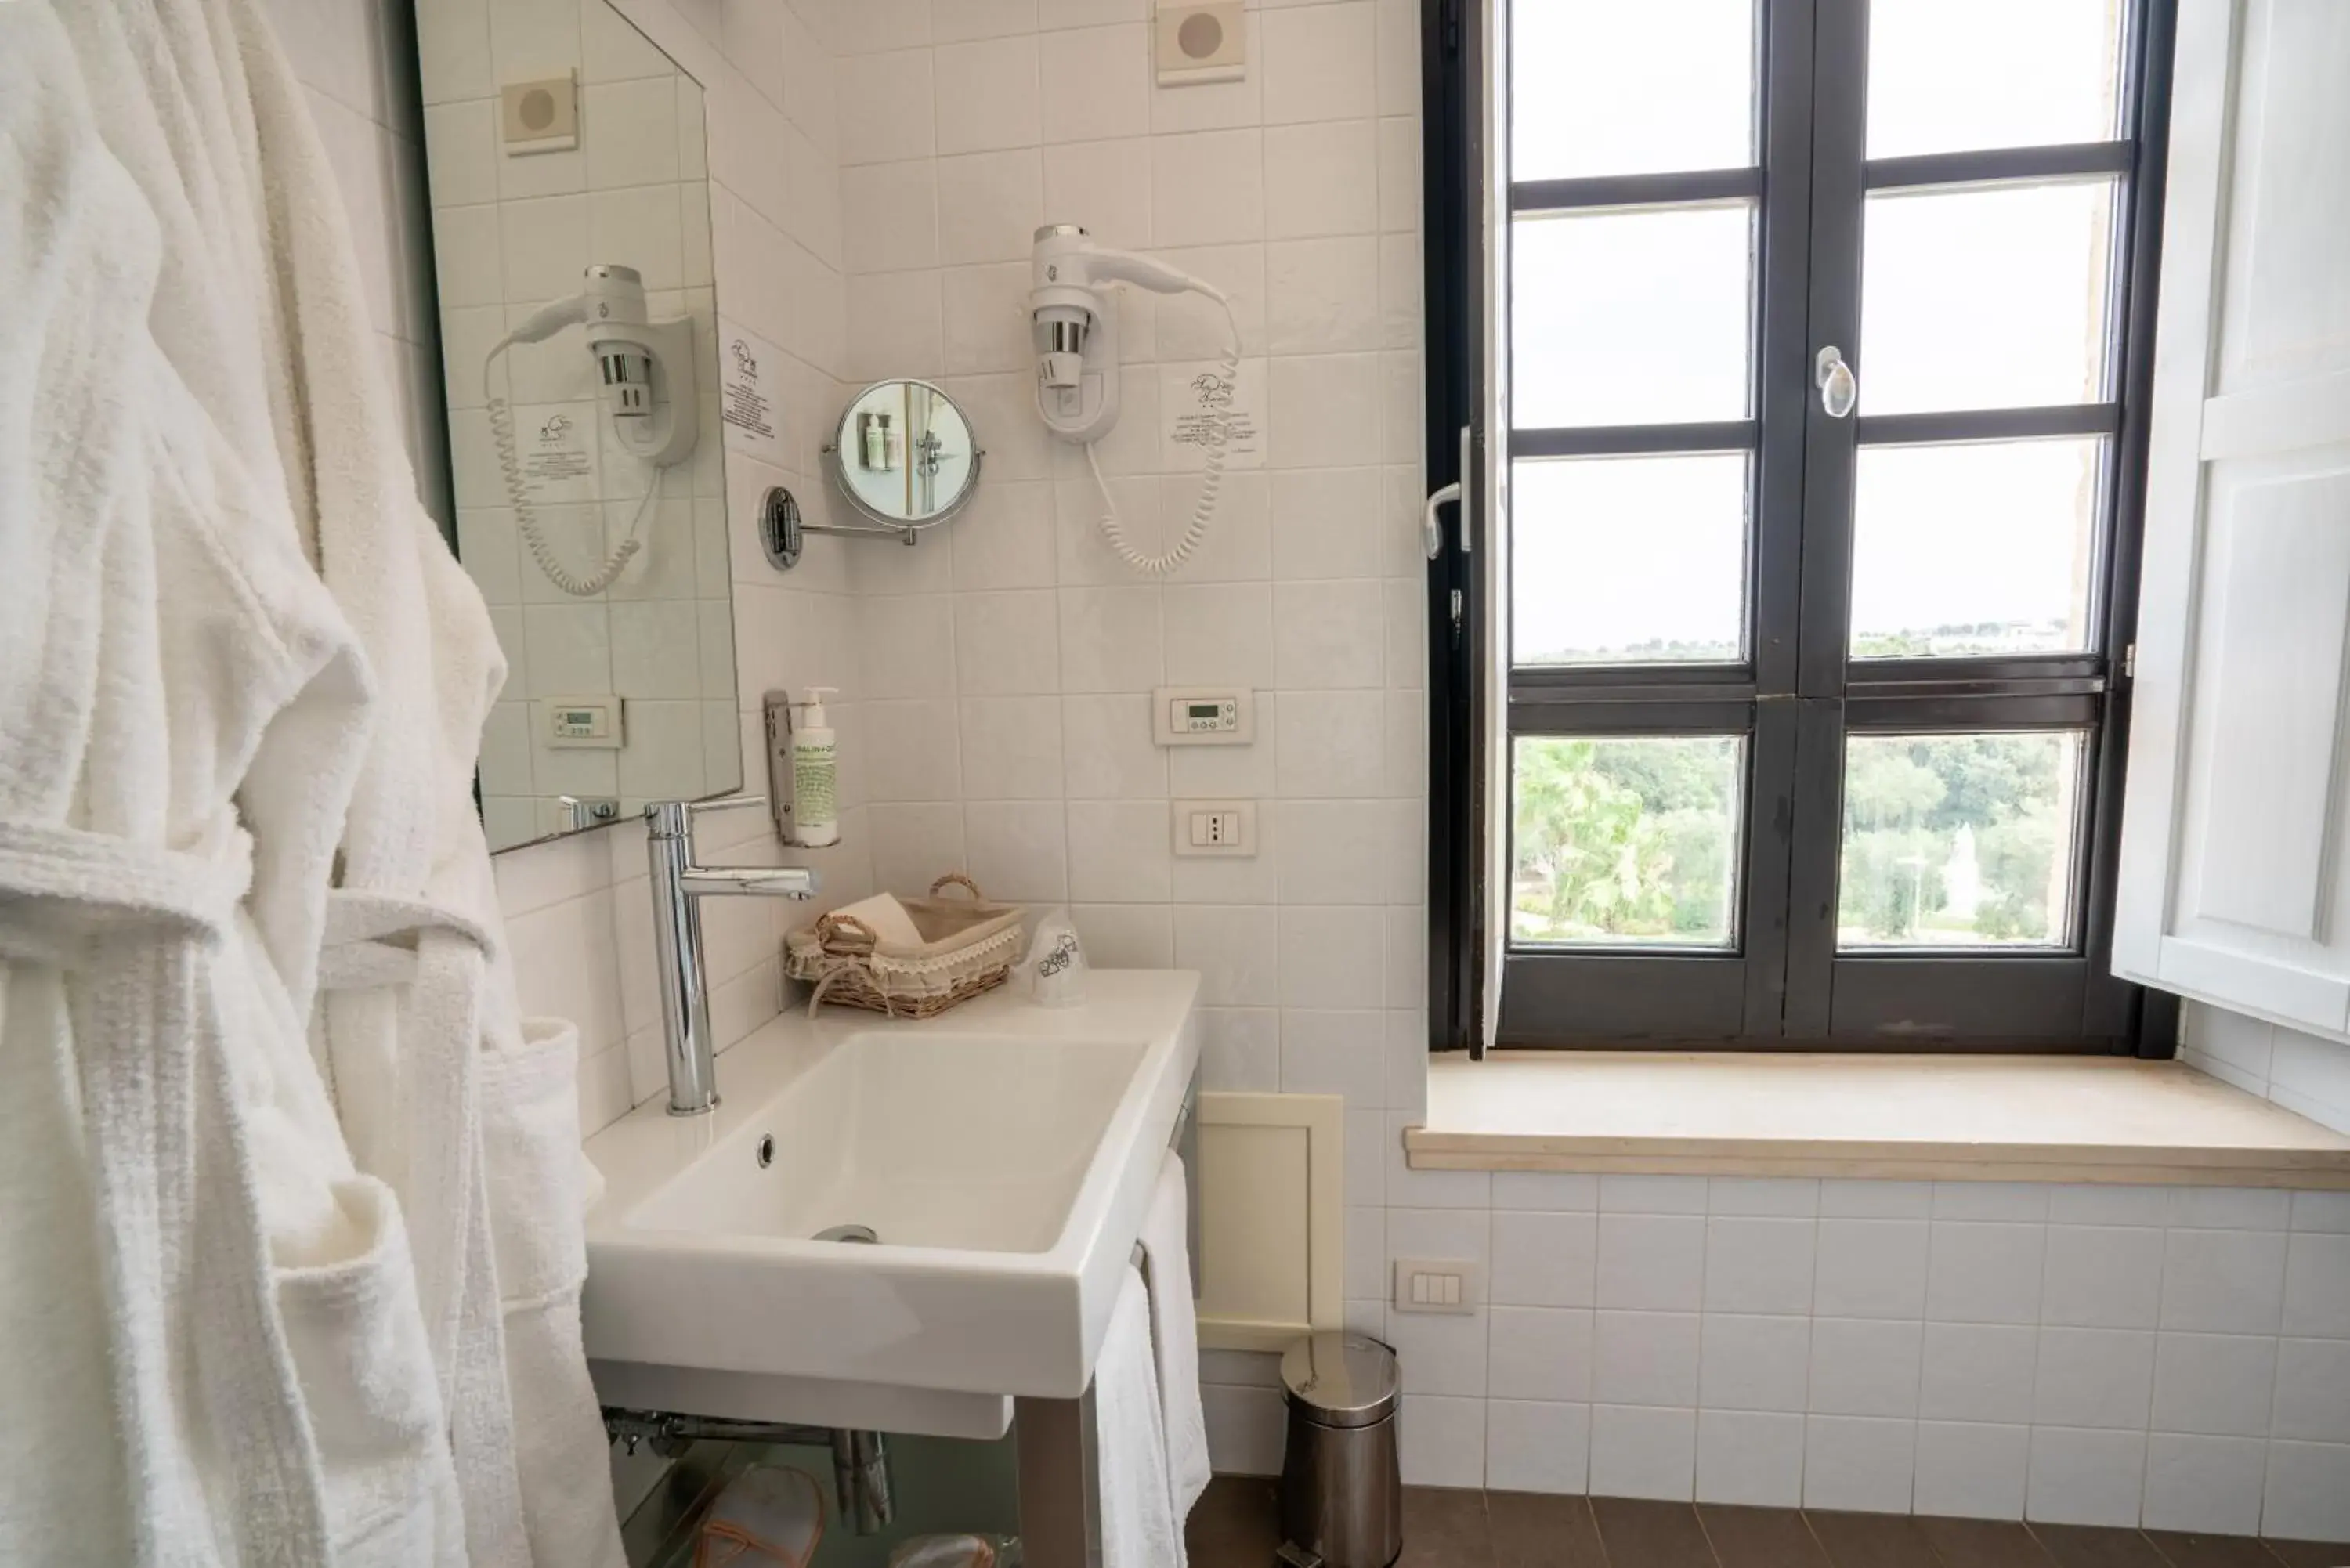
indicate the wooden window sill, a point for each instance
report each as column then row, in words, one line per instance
column 1931, row 1118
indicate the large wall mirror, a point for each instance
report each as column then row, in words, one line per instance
column 571, row 225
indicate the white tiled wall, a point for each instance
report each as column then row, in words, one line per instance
column 2178, row 1357
column 1004, row 718
column 2300, row 1072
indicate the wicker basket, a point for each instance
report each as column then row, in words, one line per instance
column 968, row 947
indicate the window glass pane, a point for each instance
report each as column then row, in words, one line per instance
column 1958, row 841
column 1626, row 841
column 1631, row 316
column 1629, row 560
column 1974, row 549
column 1985, row 298
column 1597, row 87
column 1946, row 78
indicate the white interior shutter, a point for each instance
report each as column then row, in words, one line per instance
column 2235, row 869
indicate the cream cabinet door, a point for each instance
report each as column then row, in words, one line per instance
column 2235, row 872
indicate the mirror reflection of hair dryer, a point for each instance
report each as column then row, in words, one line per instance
column 1077, row 367
column 646, row 373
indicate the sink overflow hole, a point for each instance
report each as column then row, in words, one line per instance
column 766, row 1151
column 865, row 1233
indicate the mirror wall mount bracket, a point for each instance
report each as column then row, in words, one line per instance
column 781, row 531
column 783, row 535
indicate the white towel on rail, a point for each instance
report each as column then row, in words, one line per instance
column 1139, row 1528
column 1175, row 1337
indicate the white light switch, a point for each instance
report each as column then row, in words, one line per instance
column 1438, row 1284
column 1212, row 827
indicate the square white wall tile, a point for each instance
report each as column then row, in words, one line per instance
column 1540, row 1353
column 1444, row 1444
column 1968, row 1470
column 1758, row 1264
column 1864, row 1367
column 1858, row 1464
column 1978, row 1372
column 1870, row 1268
column 1638, row 1452
column 1644, row 1357
column 1543, row 1259
column 1655, row 1261
column 1755, row 1363
column 1749, row 1458
column 2307, row 1494
column 1532, row 1446
column 2093, row 1378
column 2086, row 1477
column 2223, row 1281
column 2203, row 1485
column 1986, row 1272
column 2103, row 1276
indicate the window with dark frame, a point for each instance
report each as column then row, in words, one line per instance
column 1796, row 353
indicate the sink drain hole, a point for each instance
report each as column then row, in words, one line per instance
column 861, row 1233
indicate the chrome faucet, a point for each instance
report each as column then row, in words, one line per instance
column 678, row 888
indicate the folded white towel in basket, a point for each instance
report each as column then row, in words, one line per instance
column 885, row 918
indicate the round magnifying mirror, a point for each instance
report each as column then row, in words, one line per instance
column 904, row 455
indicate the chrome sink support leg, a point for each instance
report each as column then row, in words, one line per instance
column 861, row 1475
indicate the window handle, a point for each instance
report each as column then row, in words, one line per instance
column 1839, row 389
column 1431, row 530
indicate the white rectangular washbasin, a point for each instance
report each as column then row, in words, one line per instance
column 1002, row 1155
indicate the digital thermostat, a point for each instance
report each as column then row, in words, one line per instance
column 1192, row 716
column 592, row 722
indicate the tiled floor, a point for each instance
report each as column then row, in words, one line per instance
column 1233, row 1527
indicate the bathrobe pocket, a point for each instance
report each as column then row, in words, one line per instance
column 356, row 1338
column 530, row 1142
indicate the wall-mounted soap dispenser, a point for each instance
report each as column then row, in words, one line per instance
column 803, row 768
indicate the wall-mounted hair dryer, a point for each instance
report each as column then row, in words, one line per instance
column 646, row 369
column 1077, row 366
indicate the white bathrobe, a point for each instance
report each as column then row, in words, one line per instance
column 226, row 785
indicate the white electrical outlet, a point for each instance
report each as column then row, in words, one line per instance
column 1439, row 1284
column 1214, row 828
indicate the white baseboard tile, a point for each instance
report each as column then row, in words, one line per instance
column 1859, row 1464
column 1246, row 1429
column 2308, row 1492
column 1639, row 1450
column 1538, row 1446
column 1749, row 1457
column 1970, row 1470
column 2085, row 1477
column 2205, row 1486
column 1442, row 1440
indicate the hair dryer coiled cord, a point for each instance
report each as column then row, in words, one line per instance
column 533, row 537
column 1212, row 477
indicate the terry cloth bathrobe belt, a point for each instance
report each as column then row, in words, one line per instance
column 179, row 1216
